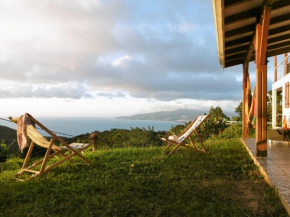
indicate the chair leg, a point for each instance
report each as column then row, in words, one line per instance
column 28, row 155
column 47, row 154
column 72, row 150
column 174, row 150
column 192, row 143
column 200, row 140
column 66, row 157
column 169, row 144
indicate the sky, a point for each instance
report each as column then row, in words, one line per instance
column 108, row 58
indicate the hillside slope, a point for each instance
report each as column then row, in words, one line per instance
column 7, row 134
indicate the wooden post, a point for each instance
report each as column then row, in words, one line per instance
column 261, row 39
column 93, row 139
column 275, row 68
column 285, row 63
column 245, row 98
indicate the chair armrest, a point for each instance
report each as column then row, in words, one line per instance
column 15, row 120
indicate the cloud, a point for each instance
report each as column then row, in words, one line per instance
column 68, row 49
column 121, row 60
column 63, row 90
column 111, row 95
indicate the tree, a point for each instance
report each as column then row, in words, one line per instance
column 215, row 124
column 217, row 113
column 239, row 110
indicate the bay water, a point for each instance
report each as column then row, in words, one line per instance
column 76, row 126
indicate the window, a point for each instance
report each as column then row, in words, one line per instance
column 287, row 95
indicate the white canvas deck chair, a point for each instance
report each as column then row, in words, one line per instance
column 65, row 152
column 185, row 134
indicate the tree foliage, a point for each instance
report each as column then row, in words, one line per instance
column 214, row 125
column 239, row 108
column 121, row 138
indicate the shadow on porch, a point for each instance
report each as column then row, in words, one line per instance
column 275, row 167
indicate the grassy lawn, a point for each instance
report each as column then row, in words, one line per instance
column 145, row 182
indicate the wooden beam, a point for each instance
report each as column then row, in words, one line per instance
column 253, row 12
column 279, row 19
column 261, row 40
column 237, row 50
column 278, row 4
column 234, row 62
column 250, row 14
column 279, row 30
column 246, row 40
column 286, row 63
column 264, row 35
column 241, row 30
column 236, row 53
column 279, row 46
column 245, row 99
column 236, row 56
column 240, row 60
column 250, row 49
column 231, row 3
column 275, row 68
column 278, row 52
column 238, row 41
column 279, row 39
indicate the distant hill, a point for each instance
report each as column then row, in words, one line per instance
column 10, row 137
column 180, row 115
column 7, row 134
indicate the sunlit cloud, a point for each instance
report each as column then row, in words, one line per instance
column 157, row 52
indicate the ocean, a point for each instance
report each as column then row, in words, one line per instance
column 76, row 126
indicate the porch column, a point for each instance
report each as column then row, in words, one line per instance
column 275, row 68
column 274, row 108
column 245, row 98
column 261, row 39
column 285, row 63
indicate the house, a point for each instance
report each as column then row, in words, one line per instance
column 252, row 31
column 255, row 30
column 281, row 93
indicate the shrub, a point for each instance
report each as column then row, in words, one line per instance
column 234, row 131
column 3, row 148
column 121, row 138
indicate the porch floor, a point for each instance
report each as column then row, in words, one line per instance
column 275, row 167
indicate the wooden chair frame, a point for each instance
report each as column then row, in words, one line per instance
column 57, row 151
column 178, row 144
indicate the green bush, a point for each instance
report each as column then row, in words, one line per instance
column 3, row 148
column 122, row 138
column 214, row 124
column 234, row 131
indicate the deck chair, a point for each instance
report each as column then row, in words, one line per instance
column 65, row 152
column 185, row 134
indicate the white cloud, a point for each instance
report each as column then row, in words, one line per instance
column 113, row 51
column 121, row 60
column 61, row 90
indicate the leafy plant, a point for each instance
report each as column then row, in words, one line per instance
column 3, row 148
column 214, row 125
column 234, row 131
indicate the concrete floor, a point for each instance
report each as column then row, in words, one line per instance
column 275, row 167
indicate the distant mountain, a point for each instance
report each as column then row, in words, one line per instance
column 180, row 115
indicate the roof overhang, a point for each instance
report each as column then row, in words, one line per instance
column 235, row 23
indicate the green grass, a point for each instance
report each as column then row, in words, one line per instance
column 145, row 182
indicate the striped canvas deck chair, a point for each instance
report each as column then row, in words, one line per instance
column 63, row 153
column 185, row 134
